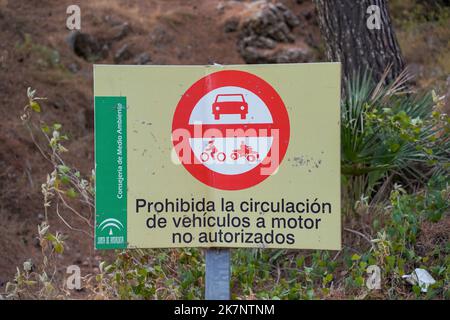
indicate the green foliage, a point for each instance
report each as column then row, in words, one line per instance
column 63, row 183
column 385, row 134
column 151, row 274
column 39, row 281
column 45, row 57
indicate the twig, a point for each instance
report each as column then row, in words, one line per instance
column 337, row 255
column 73, row 210
column 361, row 235
column 67, row 224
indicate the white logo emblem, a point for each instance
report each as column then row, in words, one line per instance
column 111, row 223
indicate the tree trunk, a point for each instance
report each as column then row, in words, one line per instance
column 348, row 38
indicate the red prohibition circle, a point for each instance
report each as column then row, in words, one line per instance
column 273, row 102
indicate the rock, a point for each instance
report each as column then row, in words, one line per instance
column 231, row 25
column 112, row 20
column 310, row 41
column 266, row 35
column 58, row 102
column 86, row 46
column 308, row 15
column 258, row 42
column 255, row 55
column 143, row 58
column 73, row 67
column 36, row 243
column 220, row 7
column 121, row 31
column 273, row 21
column 160, row 36
column 292, row 55
column 122, row 54
column 289, row 17
column 283, row 55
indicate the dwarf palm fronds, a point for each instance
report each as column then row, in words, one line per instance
column 389, row 135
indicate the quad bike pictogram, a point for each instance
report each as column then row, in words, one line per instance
column 245, row 152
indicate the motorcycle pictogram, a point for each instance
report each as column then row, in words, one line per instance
column 211, row 152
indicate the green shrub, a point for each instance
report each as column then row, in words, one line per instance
column 388, row 136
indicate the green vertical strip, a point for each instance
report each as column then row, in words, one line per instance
column 110, row 172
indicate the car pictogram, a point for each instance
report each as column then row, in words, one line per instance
column 230, row 104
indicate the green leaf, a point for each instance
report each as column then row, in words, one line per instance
column 416, row 290
column 390, row 261
column 356, row 257
column 65, row 179
column 328, row 278
column 35, row 106
column 63, row 169
column 57, row 244
column 51, row 237
column 359, row 281
column 71, row 193
column 109, row 268
column 45, row 128
column 299, row 261
column 59, row 248
column 394, row 147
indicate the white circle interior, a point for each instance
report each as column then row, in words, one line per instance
column 233, row 155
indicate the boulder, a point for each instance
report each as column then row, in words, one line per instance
column 270, row 20
column 231, row 25
column 266, row 35
column 86, row 46
column 290, row 55
column 143, row 58
column 120, row 31
column 122, row 54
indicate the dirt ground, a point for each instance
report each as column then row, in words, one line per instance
column 34, row 52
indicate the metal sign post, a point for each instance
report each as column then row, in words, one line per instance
column 217, row 283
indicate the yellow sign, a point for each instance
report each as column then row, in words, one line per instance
column 218, row 156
